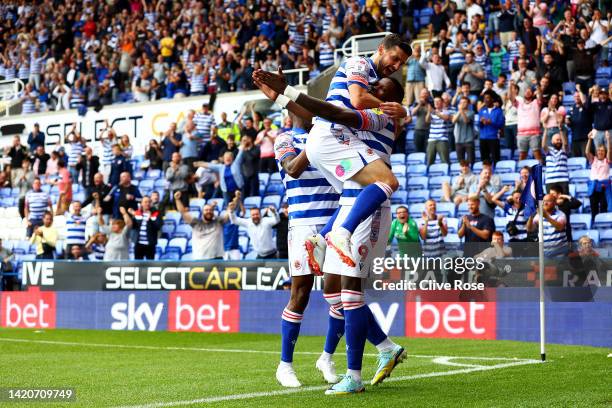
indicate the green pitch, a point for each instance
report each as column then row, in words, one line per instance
column 155, row 369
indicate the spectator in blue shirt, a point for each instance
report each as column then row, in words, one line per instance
column 415, row 76
column 36, row 138
column 119, row 165
column 170, row 144
column 229, row 173
column 491, row 121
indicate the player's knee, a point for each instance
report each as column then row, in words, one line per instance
column 300, row 297
column 392, row 182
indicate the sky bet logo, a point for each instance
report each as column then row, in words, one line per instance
column 135, row 316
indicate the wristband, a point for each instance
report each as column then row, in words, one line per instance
column 291, row 93
column 282, row 100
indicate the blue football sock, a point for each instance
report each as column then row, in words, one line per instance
column 330, row 223
column 366, row 203
column 290, row 330
column 335, row 331
column 356, row 327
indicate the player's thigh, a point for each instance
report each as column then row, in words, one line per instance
column 296, row 237
column 374, row 171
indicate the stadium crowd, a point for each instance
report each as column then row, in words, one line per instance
column 500, row 81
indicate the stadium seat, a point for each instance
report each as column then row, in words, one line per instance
column 417, row 196
column 399, row 169
column 401, row 196
column 243, row 242
column 183, row 231
column 580, row 176
column 500, row 223
column 436, row 170
column 251, row 255
column 171, row 256
column 160, row 185
column 416, row 210
column 455, row 169
column 446, row 209
column 435, row 195
column 581, row 190
column 576, row 163
column 417, row 170
column 168, row 229
column 452, row 238
column 398, row 158
column 5, row 192
column 505, row 166
column 275, row 178
column 477, row 167
column 569, row 88
column 527, row 162
column 415, row 158
column 264, row 177
column 153, row 174
column 196, row 203
column 506, row 154
column 452, row 224
column 162, row 243
column 274, row 200
column 179, row 243
column 435, row 183
column 146, row 186
column 580, row 221
column 605, row 237
column 252, row 202
column 187, row 257
column 417, row 183
column 217, row 203
column 603, row 221
column 462, row 209
column 509, row 178
column 275, row 189
column 593, row 234
column 402, row 182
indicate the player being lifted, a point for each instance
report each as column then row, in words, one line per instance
column 360, row 323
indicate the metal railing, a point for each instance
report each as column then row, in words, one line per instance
column 300, row 72
column 363, row 44
column 9, row 90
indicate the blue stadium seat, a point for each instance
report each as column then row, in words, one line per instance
column 196, row 203
column 506, row 154
column 398, row 158
column 264, row 177
column 217, row 203
column 569, row 88
column 171, row 256
column 509, row 178
column 400, row 197
column 505, row 166
column 252, row 202
column 182, row 231
column 415, row 158
column 178, row 243
column 243, row 242
column 477, row 167
column 576, row 163
column 415, row 170
column 146, row 186
column 446, row 209
column 452, row 224
column 251, row 255
column 417, row 183
column 526, row 162
column 580, row 176
column 162, row 243
column 275, row 178
column 160, row 185
column 603, row 221
column 455, row 169
column 580, row 221
column 15, row 192
column 275, row 189
column 435, row 195
column 187, row 257
column 581, row 190
column 453, row 156
column 402, row 182
column 153, row 174
column 436, row 170
column 462, row 210
column 173, row 216
column 435, row 183
column 416, row 210
column 167, row 230
column 605, row 237
column 417, row 196
column 500, row 223
column 593, row 234
column 399, row 169
column 274, row 200
column 5, row 192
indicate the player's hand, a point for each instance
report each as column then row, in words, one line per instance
column 269, row 92
column 393, row 109
column 275, row 82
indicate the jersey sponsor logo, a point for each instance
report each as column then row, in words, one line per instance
column 339, row 135
column 297, row 265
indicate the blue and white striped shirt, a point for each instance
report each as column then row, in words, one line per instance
column 521, row 221
column 556, row 166
column 456, row 57
column 107, row 148
column 433, row 245
column 197, row 83
column 312, row 200
column 74, row 151
column 75, row 230
column 326, row 55
column 143, row 238
column 555, row 242
column 438, row 129
column 204, row 122
column 97, row 252
column 37, row 202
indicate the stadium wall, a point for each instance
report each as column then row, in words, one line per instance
column 513, row 316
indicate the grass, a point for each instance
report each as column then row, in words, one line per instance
column 163, row 371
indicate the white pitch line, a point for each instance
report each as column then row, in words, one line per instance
column 263, row 394
column 225, row 350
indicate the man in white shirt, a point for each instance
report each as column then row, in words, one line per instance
column 436, row 78
column 472, row 8
column 259, row 229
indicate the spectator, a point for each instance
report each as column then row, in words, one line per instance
column 37, row 202
column 6, row 266
column 259, row 229
column 473, row 73
column 250, row 166
column 476, row 228
column 404, row 229
column 602, row 114
column 98, row 193
column 123, row 195
column 511, row 117
column 415, row 77
column 491, row 122
column 282, row 231
column 75, row 227
column 96, row 246
column 555, row 238
column 515, row 215
column 600, row 191
column 438, row 136
column 436, row 78
column 119, row 166
column 74, row 150
column 422, row 112
column 214, row 149
column 176, row 175
column 191, row 143
column 17, row 152
column 76, row 253
column 118, row 233
column 557, row 172
column 45, row 237
column 580, row 121
column 231, row 244
column 528, row 124
column 36, row 138
column 265, row 141
column 553, row 117
column 523, row 77
column 108, row 138
column 170, row 144
column 148, row 223
column 432, row 230
column 459, row 191
column 566, row 204
column 23, row 179
column 229, row 174
column 88, row 166
column 207, row 236
column 227, row 130
column 464, row 131
column 40, row 160
column 154, row 155
column 205, row 123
